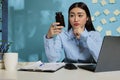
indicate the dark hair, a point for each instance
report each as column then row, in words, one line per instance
column 89, row 25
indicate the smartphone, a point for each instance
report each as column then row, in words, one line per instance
column 60, row 18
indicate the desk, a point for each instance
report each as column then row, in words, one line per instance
column 61, row 74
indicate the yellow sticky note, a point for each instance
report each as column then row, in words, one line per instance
column 106, row 12
column 103, row 2
column 108, row 33
column 99, row 28
column 112, row 1
column 94, row 1
column 103, row 21
column 116, row 12
column 97, row 13
column 118, row 29
column 112, row 19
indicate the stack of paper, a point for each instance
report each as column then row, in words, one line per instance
column 39, row 66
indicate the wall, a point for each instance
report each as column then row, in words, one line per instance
column 29, row 21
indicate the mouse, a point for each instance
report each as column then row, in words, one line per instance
column 70, row 66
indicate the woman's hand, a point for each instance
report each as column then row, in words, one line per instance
column 77, row 32
column 54, row 30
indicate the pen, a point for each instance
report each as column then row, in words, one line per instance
column 2, row 48
column 42, row 64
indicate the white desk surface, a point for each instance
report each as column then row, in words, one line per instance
column 61, row 74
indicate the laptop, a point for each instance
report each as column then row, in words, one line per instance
column 109, row 56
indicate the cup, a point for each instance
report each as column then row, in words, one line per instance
column 10, row 61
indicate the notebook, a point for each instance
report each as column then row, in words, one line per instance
column 109, row 56
column 42, row 67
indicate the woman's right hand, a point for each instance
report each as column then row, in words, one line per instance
column 54, row 30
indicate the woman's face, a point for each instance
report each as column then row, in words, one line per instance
column 77, row 18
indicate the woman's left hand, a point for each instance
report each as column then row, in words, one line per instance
column 77, row 32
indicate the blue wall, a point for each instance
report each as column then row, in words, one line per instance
column 29, row 23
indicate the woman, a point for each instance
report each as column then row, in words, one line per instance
column 81, row 43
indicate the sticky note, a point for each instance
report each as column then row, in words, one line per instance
column 93, row 18
column 118, row 29
column 103, row 21
column 112, row 1
column 112, row 19
column 116, row 12
column 108, row 33
column 106, row 12
column 99, row 28
column 97, row 13
column 103, row 2
column 94, row 1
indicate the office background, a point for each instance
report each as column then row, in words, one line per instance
column 29, row 21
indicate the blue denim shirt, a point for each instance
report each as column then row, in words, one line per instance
column 65, row 45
